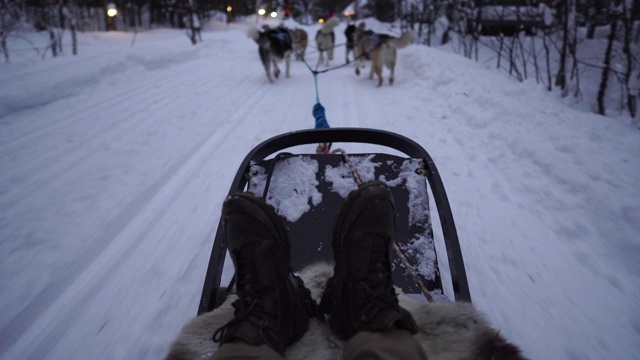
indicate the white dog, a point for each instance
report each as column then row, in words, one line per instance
column 326, row 39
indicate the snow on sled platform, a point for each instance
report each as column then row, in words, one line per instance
column 308, row 190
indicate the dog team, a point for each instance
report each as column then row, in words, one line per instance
column 276, row 45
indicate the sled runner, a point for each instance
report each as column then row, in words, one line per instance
column 308, row 190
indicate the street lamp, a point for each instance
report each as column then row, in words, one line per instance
column 112, row 11
column 230, row 14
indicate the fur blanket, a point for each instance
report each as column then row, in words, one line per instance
column 447, row 330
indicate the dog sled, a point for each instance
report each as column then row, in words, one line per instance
column 308, row 190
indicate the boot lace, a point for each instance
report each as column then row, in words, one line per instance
column 250, row 304
column 378, row 285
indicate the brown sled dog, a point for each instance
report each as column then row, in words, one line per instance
column 381, row 49
column 300, row 40
column 326, row 39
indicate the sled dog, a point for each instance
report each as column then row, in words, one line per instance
column 349, row 35
column 326, row 39
column 300, row 39
column 447, row 330
column 274, row 45
column 381, row 49
column 359, row 34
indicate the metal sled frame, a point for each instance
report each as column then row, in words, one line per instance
column 211, row 290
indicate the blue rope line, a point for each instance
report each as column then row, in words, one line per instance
column 315, row 79
column 315, row 72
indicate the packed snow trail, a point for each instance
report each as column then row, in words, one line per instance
column 114, row 175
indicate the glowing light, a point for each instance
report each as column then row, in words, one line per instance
column 111, row 10
column 349, row 13
column 274, row 14
column 229, row 8
column 262, row 12
column 321, row 21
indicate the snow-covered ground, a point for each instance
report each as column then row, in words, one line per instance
column 114, row 164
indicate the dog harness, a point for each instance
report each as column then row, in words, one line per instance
column 283, row 37
column 374, row 38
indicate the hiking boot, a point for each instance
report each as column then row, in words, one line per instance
column 360, row 295
column 272, row 302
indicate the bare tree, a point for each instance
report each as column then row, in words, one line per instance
column 420, row 16
column 589, row 12
column 627, row 28
column 9, row 22
column 383, row 10
column 536, row 66
column 67, row 18
column 573, row 49
column 464, row 19
column 547, row 57
column 568, row 44
column 192, row 23
column 47, row 16
column 607, row 65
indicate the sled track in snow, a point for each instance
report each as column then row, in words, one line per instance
column 200, row 80
column 36, row 329
column 69, row 157
column 151, row 93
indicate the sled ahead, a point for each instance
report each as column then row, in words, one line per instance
column 308, row 190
